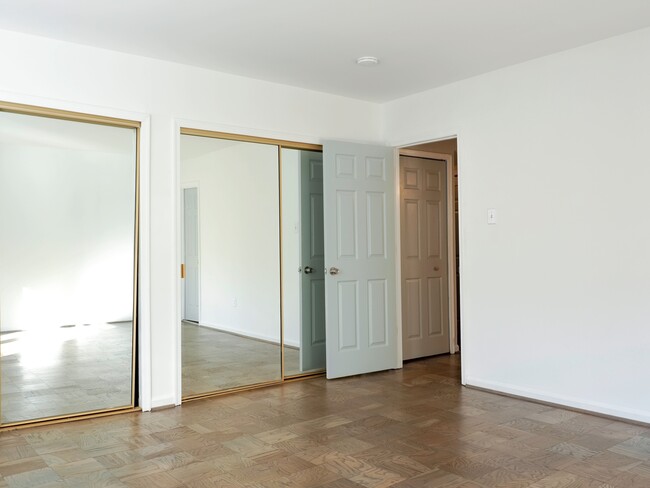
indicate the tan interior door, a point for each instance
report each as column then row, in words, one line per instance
column 425, row 284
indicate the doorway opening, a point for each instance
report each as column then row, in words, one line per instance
column 190, row 249
column 428, row 206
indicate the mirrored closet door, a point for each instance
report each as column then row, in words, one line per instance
column 231, row 254
column 68, row 247
column 244, row 235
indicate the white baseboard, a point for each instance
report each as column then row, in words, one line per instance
column 243, row 333
column 562, row 401
column 163, row 402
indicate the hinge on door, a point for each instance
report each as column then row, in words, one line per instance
column 182, row 271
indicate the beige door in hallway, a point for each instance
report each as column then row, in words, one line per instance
column 424, row 256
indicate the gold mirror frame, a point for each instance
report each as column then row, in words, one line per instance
column 52, row 113
column 281, row 144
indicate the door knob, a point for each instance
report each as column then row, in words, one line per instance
column 334, row 270
column 436, row 268
column 308, row 270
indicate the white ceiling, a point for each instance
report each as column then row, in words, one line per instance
column 314, row 43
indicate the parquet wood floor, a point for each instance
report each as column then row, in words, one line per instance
column 64, row 370
column 215, row 360
column 411, row 428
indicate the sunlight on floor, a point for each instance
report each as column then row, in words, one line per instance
column 41, row 348
column 63, row 370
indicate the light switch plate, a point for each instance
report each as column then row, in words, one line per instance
column 492, row 216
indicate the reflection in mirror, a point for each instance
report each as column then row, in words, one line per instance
column 67, row 214
column 303, row 262
column 231, row 257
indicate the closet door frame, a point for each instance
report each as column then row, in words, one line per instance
column 140, row 332
column 190, row 128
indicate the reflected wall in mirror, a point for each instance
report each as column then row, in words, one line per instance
column 231, row 258
column 303, row 261
column 68, row 220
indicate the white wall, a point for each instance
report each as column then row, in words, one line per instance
column 67, row 200
column 238, row 228
column 239, row 233
column 555, row 296
column 36, row 68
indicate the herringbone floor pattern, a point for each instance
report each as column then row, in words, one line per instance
column 411, row 428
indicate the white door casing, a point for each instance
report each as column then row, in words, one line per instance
column 312, row 335
column 424, row 257
column 191, row 254
column 360, row 287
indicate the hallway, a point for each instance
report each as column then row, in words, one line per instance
column 408, row 428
